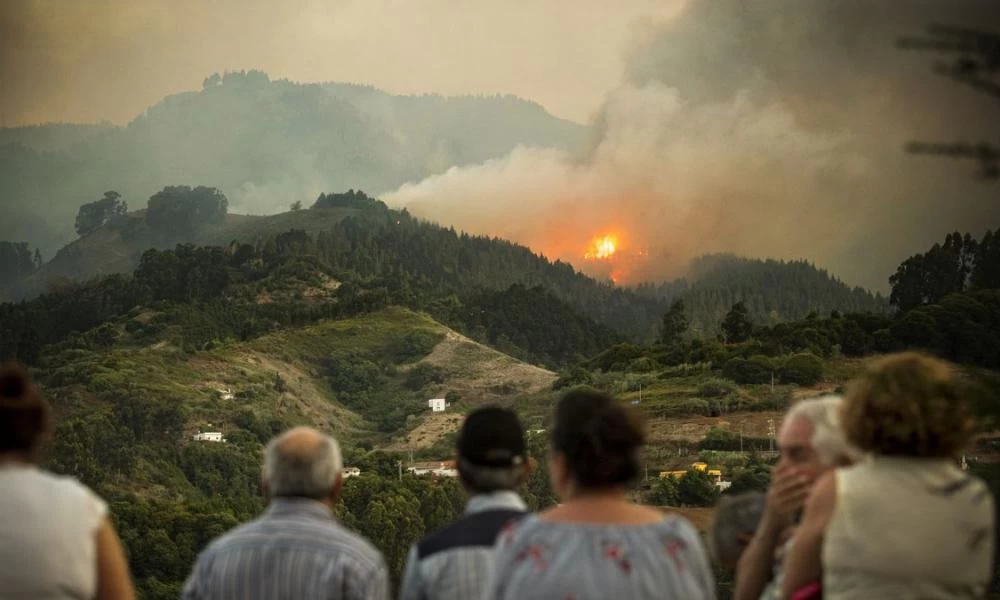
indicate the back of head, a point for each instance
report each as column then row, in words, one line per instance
column 829, row 440
column 736, row 519
column 24, row 414
column 908, row 404
column 492, row 455
column 302, row 463
column 599, row 439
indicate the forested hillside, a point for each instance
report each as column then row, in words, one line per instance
column 264, row 142
column 379, row 242
column 773, row 291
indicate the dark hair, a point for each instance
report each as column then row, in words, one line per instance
column 24, row 415
column 599, row 439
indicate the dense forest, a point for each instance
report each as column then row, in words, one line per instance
column 259, row 140
column 773, row 291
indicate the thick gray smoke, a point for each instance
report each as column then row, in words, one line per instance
column 767, row 128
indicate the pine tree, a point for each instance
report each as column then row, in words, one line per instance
column 737, row 326
column 675, row 323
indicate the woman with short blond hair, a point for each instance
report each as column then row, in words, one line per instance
column 905, row 522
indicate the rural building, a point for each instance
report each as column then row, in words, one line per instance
column 209, row 436
column 437, row 404
column 437, row 469
column 715, row 474
column 351, row 472
column 226, row 393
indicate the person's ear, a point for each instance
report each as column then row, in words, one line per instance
column 338, row 487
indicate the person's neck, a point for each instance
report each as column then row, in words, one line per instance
column 602, row 496
column 329, row 503
column 16, row 459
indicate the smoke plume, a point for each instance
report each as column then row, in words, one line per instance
column 774, row 128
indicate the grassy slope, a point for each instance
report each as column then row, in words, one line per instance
column 249, row 369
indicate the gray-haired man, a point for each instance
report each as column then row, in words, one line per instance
column 456, row 562
column 811, row 442
column 296, row 549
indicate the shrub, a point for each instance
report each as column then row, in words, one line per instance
column 423, row 375
column 756, row 369
column 664, row 492
column 716, row 387
column 575, row 376
column 802, row 369
column 696, row 488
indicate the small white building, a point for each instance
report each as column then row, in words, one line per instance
column 209, row 436
column 226, row 393
column 351, row 472
column 437, row 404
column 442, row 469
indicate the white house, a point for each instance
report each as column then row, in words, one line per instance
column 226, row 393
column 442, row 469
column 209, row 436
column 351, row 472
column 437, row 404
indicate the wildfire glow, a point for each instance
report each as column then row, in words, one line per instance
column 602, row 248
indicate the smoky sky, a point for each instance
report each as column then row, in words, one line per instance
column 772, row 128
column 93, row 60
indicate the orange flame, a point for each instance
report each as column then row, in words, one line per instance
column 602, row 248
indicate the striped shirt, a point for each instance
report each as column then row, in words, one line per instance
column 456, row 562
column 296, row 549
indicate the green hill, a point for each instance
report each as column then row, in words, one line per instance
column 266, row 143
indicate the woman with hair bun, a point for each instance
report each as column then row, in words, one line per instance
column 55, row 537
column 597, row 543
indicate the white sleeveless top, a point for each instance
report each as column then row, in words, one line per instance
column 48, row 527
column 908, row 528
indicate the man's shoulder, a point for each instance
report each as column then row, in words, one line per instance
column 321, row 537
column 469, row 531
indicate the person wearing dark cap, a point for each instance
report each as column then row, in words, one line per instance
column 457, row 561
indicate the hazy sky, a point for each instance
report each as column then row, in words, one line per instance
column 91, row 60
column 761, row 127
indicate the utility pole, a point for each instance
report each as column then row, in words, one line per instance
column 399, row 464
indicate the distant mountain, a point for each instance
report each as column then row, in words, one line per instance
column 265, row 143
column 773, row 290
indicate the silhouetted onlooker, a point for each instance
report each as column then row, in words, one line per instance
column 905, row 522
column 811, row 442
column 598, row 544
column 456, row 562
column 55, row 537
column 296, row 549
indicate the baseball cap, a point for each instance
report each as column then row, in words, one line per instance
column 492, row 437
